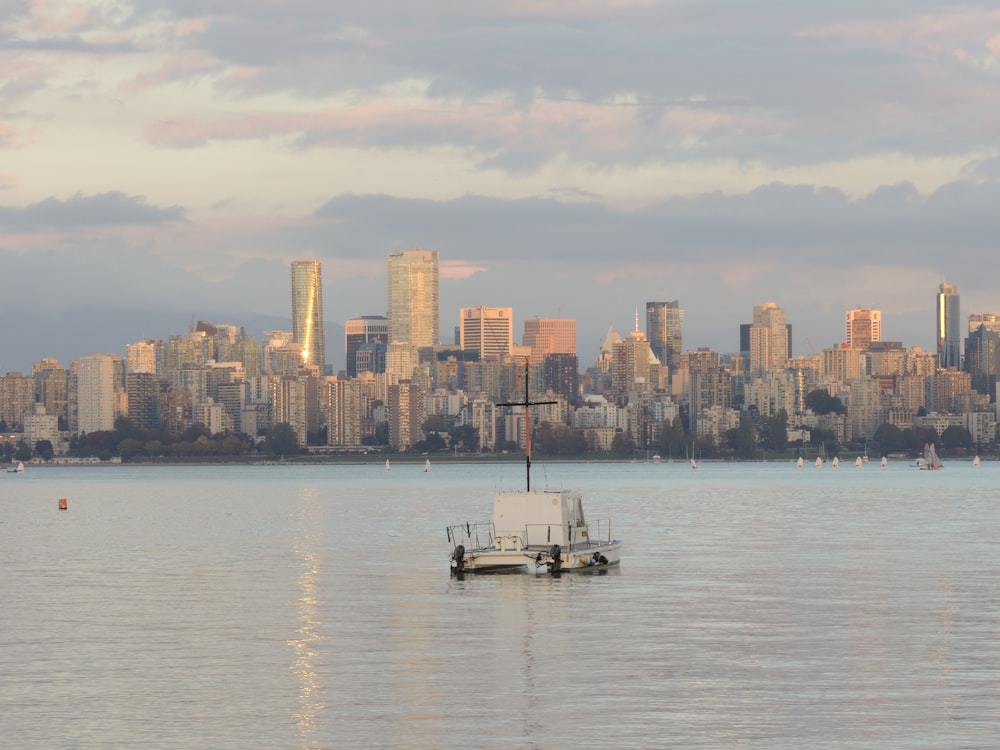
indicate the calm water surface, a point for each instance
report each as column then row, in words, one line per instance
column 757, row 606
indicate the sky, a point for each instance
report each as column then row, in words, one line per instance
column 164, row 162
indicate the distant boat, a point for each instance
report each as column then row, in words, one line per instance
column 656, row 458
column 836, row 462
column 387, row 467
column 427, row 465
column 975, row 462
column 819, row 461
column 18, row 469
column 931, row 460
column 800, row 463
column 859, row 462
column 694, row 464
column 885, row 462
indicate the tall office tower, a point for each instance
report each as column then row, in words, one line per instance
column 307, row 312
column 663, row 329
column 95, row 393
column 414, row 298
column 51, row 387
column 368, row 329
column 982, row 359
column 862, row 328
column 769, row 338
column 948, row 327
column 547, row 336
column 488, row 330
column 143, row 391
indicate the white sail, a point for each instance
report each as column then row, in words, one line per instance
column 819, row 461
column 859, row 462
column 427, row 465
column 800, row 463
column 885, row 462
column 836, row 462
column 975, row 461
column 387, row 467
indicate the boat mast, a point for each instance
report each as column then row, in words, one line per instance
column 527, row 422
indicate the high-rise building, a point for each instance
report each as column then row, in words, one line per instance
column 307, row 312
column 488, row 330
column 862, row 327
column 990, row 320
column 664, row 322
column 948, row 327
column 414, row 298
column 95, row 393
column 547, row 336
column 143, row 391
column 368, row 329
column 769, row 338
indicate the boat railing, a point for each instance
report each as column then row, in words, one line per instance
column 570, row 537
column 479, row 535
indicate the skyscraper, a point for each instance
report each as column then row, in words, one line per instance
column 489, row 330
column 358, row 332
column 948, row 327
column 769, row 338
column 663, row 329
column 414, row 301
column 547, row 336
column 307, row 312
column 862, row 327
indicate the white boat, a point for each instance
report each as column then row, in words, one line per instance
column 859, row 462
column 800, row 462
column 930, row 460
column 16, row 468
column 819, row 461
column 975, row 462
column 533, row 529
column 427, row 465
column 884, row 462
column 387, row 467
column 836, row 462
column 656, row 458
column 694, row 464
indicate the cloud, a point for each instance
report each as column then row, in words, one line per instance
column 81, row 211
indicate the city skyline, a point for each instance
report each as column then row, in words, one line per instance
column 574, row 159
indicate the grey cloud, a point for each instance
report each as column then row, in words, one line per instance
column 106, row 209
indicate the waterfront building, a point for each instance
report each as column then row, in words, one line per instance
column 982, row 359
column 40, row 425
column 307, row 312
column 414, row 298
column 948, row 327
column 143, row 391
column 95, row 393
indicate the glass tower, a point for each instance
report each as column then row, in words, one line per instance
column 414, row 289
column 948, row 327
column 307, row 312
column 664, row 322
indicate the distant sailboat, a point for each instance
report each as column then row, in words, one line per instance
column 975, row 462
column 427, row 465
column 387, row 467
column 819, row 461
column 800, row 463
column 931, row 460
column 885, row 462
column 836, row 462
column 859, row 462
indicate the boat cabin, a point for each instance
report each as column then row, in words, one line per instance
column 540, row 518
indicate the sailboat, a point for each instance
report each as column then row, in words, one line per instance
column 541, row 528
column 427, row 465
column 387, row 467
column 836, row 462
column 859, row 462
column 885, row 462
column 819, row 461
column 975, row 462
column 16, row 468
column 931, row 460
column 799, row 463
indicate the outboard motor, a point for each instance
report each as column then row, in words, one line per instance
column 459, row 557
column 555, row 552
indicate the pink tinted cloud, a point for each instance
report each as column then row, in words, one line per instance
column 602, row 127
column 176, row 69
column 460, row 269
column 52, row 17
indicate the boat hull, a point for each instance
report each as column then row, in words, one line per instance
column 581, row 558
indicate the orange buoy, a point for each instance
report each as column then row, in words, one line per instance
column 62, row 503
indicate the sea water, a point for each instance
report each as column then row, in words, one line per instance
column 756, row 606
